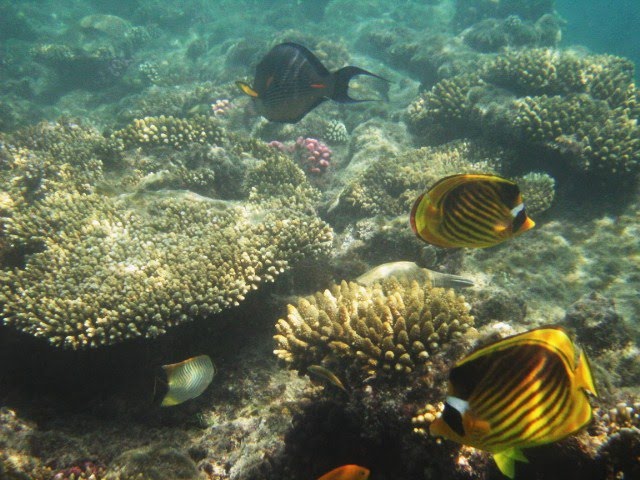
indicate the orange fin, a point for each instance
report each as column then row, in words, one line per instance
column 246, row 88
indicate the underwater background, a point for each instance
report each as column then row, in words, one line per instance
column 149, row 214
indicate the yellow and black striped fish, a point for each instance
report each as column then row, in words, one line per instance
column 290, row 81
column 519, row 392
column 470, row 210
column 187, row 379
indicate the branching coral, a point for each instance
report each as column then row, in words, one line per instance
column 113, row 269
column 383, row 328
column 581, row 108
column 171, row 131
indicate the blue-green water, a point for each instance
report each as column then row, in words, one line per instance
column 151, row 213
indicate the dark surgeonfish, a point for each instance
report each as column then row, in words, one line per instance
column 470, row 210
column 290, row 81
column 519, row 392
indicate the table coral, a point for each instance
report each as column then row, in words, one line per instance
column 110, row 270
column 93, row 269
column 379, row 329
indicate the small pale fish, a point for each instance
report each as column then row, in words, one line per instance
column 290, row 81
column 187, row 379
column 327, row 375
column 522, row 391
column 411, row 271
column 470, row 210
column 347, row 472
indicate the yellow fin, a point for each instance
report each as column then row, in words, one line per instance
column 506, row 461
column 584, row 379
column 246, row 88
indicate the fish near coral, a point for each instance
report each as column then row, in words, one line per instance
column 290, row 81
column 347, row 472
column 522, row 391
column 327, row 375
column 187, row 379
column 411, row 271
column 470, row 210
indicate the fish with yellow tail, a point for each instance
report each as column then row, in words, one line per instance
column 470, row 210
column 347, row 472
column 519, row 392
column 187, row 379
column 290, row 81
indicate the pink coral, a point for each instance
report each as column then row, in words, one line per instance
column 313, row 155
column 221, row 107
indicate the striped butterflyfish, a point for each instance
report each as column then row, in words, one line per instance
column 470, row 210
column 519, row 392
column 187, row 379
column 290, row 81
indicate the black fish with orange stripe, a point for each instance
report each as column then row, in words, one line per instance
column 519, row 392
column 290, row 81
column 470, row 210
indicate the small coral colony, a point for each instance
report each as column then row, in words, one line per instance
column 383, row 342
column 522, row 391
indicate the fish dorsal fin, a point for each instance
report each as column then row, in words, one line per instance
column 553, row 338
column 584, row 379
column 246, row 89
column 506, row 461
column 447, row 184
column 317, row 65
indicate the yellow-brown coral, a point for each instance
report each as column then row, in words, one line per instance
column 391, row 327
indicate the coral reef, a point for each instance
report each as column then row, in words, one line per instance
column 108, row 272
column 311, row 154
column 92, row 269
column 390, row 185
column 171, row 131
column 597, row 324
column 580, row 108
column 388, row 328
column 491, row 34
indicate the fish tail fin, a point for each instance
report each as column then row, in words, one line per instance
column 506, row 461
column 584, row 379
column 342, row 78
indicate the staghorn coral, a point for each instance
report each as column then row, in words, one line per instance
column 379, row 329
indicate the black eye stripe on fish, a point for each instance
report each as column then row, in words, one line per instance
column 453, row 418
column 290, row 82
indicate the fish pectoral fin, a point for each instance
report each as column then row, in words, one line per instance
column 246, row 88
column 506, row 461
